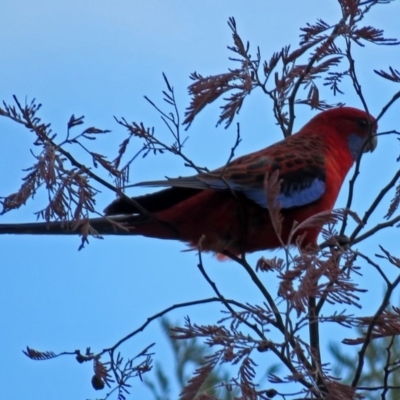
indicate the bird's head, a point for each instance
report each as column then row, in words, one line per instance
column 356, row 126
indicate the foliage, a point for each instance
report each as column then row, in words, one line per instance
column 380, row 366
column 284, row 329
column 186, row 354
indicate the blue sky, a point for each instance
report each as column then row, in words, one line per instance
column 98, row 59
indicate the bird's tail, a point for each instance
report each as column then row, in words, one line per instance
column 116, row 225
column 109, row 225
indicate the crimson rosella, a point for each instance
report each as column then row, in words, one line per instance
column 228, row 207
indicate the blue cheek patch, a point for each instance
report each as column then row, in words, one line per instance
column 355, row 144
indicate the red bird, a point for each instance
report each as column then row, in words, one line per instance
column 228, row 206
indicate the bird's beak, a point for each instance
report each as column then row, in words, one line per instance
column 371, row 143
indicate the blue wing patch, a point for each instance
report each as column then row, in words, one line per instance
column 293, row 196
column 301, row 197
column 297, row 189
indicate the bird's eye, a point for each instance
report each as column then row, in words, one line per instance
column 363, row 123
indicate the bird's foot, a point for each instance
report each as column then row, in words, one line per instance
column 339, row 241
